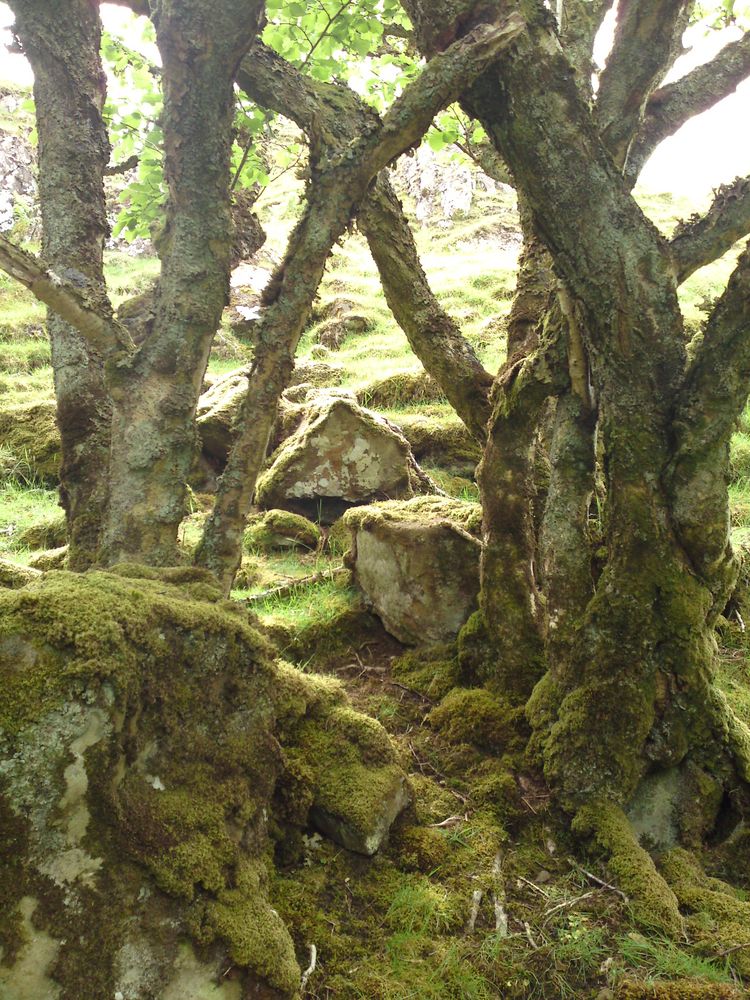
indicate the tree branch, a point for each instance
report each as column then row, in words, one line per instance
column 703, row 239
column 338, row 185
column 318, row 108
column 715, row 394
column 71, row 303
column 137, row 6
column 432, row 334
column 442, row 82
column 671, row 106
column 646, row 42
column 581, row 21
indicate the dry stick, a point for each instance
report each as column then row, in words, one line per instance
column 290, row 588
column 310, row 969
column 501, row 916
column 476, row 902
column 600, row 881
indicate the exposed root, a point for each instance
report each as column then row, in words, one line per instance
column 655, row 905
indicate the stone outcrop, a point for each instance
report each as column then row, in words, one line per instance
column 152, row 752
column 417, row 564
column 340, row 456
column 280, row 529
column 219, row 406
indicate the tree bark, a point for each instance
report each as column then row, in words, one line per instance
column 61, row 41
column 633, row 691
column 156, row 392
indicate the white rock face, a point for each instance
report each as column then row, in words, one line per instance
column 417, row 564
column 341, row 456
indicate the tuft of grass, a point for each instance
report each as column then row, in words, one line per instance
column 23, row 503
column 658, row 958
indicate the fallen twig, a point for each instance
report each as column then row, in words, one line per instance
column 476, row 902
column 288, row 589
column 501, row 916
column 310, row 969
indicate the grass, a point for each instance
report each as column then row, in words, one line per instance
column 23, row 503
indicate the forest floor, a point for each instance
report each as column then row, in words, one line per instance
column 479, row 892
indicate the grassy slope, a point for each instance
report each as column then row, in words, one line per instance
column 396, row 928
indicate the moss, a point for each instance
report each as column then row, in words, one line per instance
column 50, row 533
column 14, row 576
column 474, row 715
column 431, row 670
column 446, row 444
column 181, row 777
column 29, row 431
column 464, row 513
column 682, row 989
column 654, row 904
column 256, row 934
column 420, row 849
column 585, row 754
column 280, row 529
column 317, row 639
column 494, row 785
column 719, row 919
column 399, row 389
column 50, row 559
column 355, row 773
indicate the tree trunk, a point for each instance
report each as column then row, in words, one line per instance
column 61, row 41
column 156, row 394
column 629, row 692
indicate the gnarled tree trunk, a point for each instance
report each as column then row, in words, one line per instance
column 61, row 41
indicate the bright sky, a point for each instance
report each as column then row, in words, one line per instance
column 710, row 150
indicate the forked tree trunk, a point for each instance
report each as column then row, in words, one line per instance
column 156, row 394
column 61, row 41
column 629, row 683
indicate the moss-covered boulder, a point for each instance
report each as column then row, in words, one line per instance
column 340, row 456
column 217, row 412
column 50, row 559
column 29, row 431
column 417, row 564
column 443, row 442
column 152, row 756
column 281, row 529
column 48, row 533
column 220, row 405
column 399, row 389
column 14, row 576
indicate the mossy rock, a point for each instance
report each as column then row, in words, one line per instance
column 50, row 533
column 281, row 529
column 445, row 443
column 401, row 389
column 13, row 576
column 50, row 559
column 417, row 564
column 339, row 456
column 151, row 752
column 475, row 715
column 29, row 431
column 333, row 332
